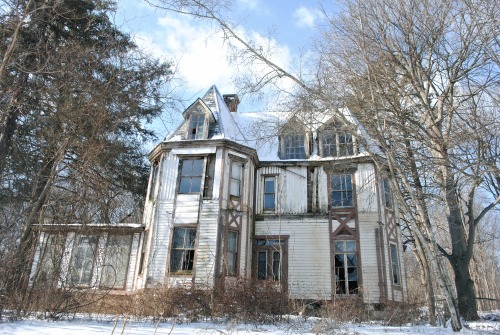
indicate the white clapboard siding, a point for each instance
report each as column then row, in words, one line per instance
column 309, row 274
column 369, row 263
column 206, row 244
column 322, row 190
column 160, row 240
column 168, row 177
column 366, row 190
column 133, row 262
column 291, row 189
column 187, row 208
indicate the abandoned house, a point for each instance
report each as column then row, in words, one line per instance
column 247, row 195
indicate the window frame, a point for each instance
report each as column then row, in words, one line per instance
column 346, row 190
column 196, row 127
column 274, row 193
column 395, row 264
column 387, row 194
column 270, row 246
column 183, row 248
column 236, row 181
column 51, row 254
column 344, row 253
column 294, row 146
column 341, row 147
column 232, row 263
column 126, row 262
column 71, row 269
column 191, row 176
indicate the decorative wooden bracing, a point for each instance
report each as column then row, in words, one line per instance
column 392, row 227
column 234, row 215
column 343, row 216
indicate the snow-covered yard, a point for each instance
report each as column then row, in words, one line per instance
column 296, row 325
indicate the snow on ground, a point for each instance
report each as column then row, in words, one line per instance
column 296, row 325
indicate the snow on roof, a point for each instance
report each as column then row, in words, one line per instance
column 260, row 130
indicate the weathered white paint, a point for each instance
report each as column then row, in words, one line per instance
column 366, row 190
column 206, row 251
column 309, row 275
column 193, row 151
column 368, row 253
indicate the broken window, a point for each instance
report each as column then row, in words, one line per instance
column 116, row 259
column 269, row 193
column 294, row 146
column 341, row 186
column 346, row 267
column 270, row 258
column 396, row 277
column 191, row 174
column 232, row 252
column 82, row 261
column 196, row 126
column 183, row 248
column 236, row 178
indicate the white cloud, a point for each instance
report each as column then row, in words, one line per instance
column 200, row 54
column 305, row 17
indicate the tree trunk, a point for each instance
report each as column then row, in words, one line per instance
column 467, row 304
column 427, row 282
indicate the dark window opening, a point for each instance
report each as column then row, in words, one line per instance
column 396, row 278
column 116, row 259
column 232, row 252
column 346, row 267
column 208, row 186
column 270, row 259
column 196, row 127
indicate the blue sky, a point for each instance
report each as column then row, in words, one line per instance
column 198, row 51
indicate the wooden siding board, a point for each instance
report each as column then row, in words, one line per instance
column 368, row 249
column 366, row 188
column 309, row 274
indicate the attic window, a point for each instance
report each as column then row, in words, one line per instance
column 336, row 143
column 196, row 125
column 294, row 146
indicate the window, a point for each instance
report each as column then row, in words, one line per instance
column 294, row 146
column 232, row 253
column 182, row 256
column 82, row 261
column 236, row 177
column 396, row 277
column 342, row 190
column 143, row 251
column 336, row 143
column 270, row 259
column 191, row 173
column 152, row 182
column 346, row 267
column 208, row 186
column 269, row 193
column 196, row 125
column 116, row 258
column 387, row 194
column 51, row 259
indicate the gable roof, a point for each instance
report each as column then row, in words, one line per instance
column 260, row 130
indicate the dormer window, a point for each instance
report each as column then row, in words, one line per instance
column 294, row 146
column 196, row 125
column 336, row 143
